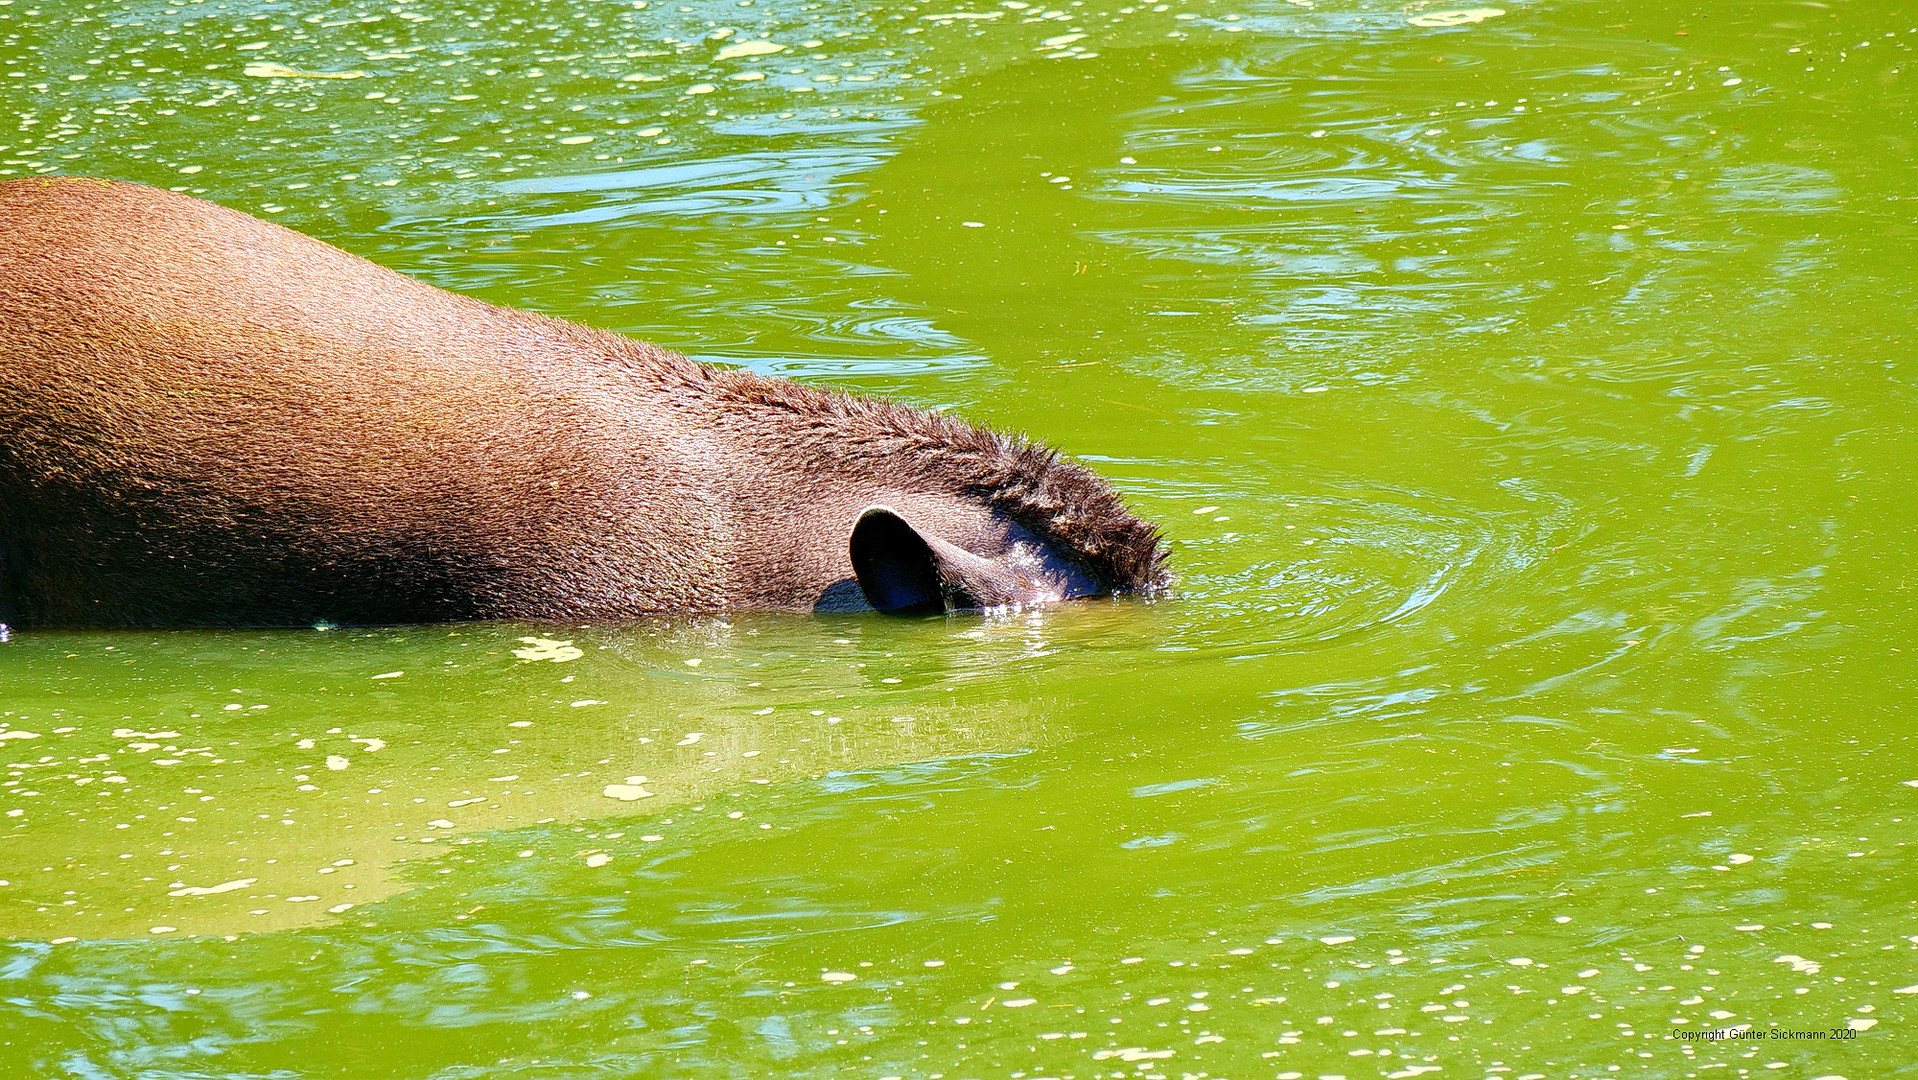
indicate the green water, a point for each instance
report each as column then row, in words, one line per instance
column 1527, row 402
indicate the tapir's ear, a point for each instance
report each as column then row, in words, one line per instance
column 896, row 567
column 906, row 572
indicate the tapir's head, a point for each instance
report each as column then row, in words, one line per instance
column 940, row 515
column 928, row 560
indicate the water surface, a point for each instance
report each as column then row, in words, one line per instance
column 1526, row 397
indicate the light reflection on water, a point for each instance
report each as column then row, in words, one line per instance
column 760, row 183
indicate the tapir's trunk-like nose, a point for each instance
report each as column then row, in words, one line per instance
column 209, row 420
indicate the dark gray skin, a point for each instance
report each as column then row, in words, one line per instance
column 209, row 420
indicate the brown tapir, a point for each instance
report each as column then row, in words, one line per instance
column 209, row 420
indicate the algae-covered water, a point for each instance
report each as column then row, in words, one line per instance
column 1527, row 395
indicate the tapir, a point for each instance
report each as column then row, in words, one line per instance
column 210, row 420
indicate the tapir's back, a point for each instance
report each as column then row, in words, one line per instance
column 170, row 282
column 168, row 366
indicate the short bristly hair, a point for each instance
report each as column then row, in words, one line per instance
column 1033, row 485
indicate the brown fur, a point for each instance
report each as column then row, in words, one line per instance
column 207, row 419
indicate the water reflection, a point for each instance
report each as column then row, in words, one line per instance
column 198, row 815
column 758, row 183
